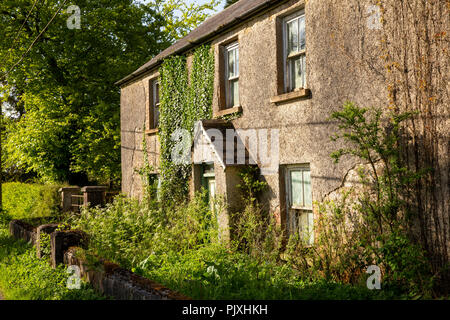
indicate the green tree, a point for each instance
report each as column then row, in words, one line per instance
column 62, row 97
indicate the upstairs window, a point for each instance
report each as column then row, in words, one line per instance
column 155, row 104
column 294, row 51
column 232, row 75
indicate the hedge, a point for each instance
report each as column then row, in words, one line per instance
column 25, row 200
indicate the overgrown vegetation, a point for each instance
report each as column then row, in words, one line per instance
column 378, row 215
column 179, row 247
column 414, row 51
column 183, row 102
column 25, row 277
column 173, row 112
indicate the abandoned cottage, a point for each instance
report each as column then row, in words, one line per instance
column 279, row 69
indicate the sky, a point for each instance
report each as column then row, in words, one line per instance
column 222, row 2
column 204, row 1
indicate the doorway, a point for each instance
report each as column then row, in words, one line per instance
column 209, row 183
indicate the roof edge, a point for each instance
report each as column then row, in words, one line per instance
column 204, row 39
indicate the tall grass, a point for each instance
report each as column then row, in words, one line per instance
column 179, row 248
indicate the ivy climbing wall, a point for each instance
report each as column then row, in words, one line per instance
column 186, row 97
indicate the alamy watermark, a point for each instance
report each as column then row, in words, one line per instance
column 228, row 147
column 74, row 280
column 374, row 280
column 74, row 21
column 374, row 19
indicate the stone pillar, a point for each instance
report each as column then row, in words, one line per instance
column 22, row 230
column 61, row 241
column 66, row 197
column 94, row 195
column 47, row 229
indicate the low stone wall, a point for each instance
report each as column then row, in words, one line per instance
column 61, row 241
column 108, row 278
column 112, row 280
column 43, row 229
column 22, row 230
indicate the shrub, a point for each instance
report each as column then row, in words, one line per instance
column 127, row 231
column 374, row 226
column 177, row 247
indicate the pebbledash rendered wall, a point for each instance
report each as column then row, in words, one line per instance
column 341, row 56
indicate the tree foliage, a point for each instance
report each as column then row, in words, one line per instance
column 62, row 97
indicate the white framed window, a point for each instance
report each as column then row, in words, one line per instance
column 209, row 183
column 232, row 74
column 155, row 103
column 294, row 51
column 299, row 202
column 155, row 184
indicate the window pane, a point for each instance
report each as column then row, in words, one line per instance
column 292, row 34
column 296, row 188
column 302, row 33
column 293, row 221
column 303, row 71
column 156, row 93
column 237, row 61
column 303, row 225
column 306, row 226
column 231, row 64
column 156, row 117
column 307, row 188
column 295, row 73
column 234, row 93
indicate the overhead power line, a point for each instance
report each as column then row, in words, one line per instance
column 34, row 41
column 23, row 24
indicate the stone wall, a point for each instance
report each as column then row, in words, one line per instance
column 111, row 280
column 106, row 277
column 22, row 230
column 134, row 123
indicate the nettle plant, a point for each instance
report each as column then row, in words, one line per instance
column 184, row 101
column 383, row 233
column 146, row 172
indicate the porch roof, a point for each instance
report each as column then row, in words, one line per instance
column 210, row 142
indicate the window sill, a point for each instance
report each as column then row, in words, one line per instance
column 152, row 131
column 291, row 96
column 226, row 112
column 301, row 208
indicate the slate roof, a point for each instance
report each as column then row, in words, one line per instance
column 217, row 24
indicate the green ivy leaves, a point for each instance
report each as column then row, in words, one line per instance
column 183, row 102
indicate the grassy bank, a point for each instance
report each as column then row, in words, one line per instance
column 30, row 200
